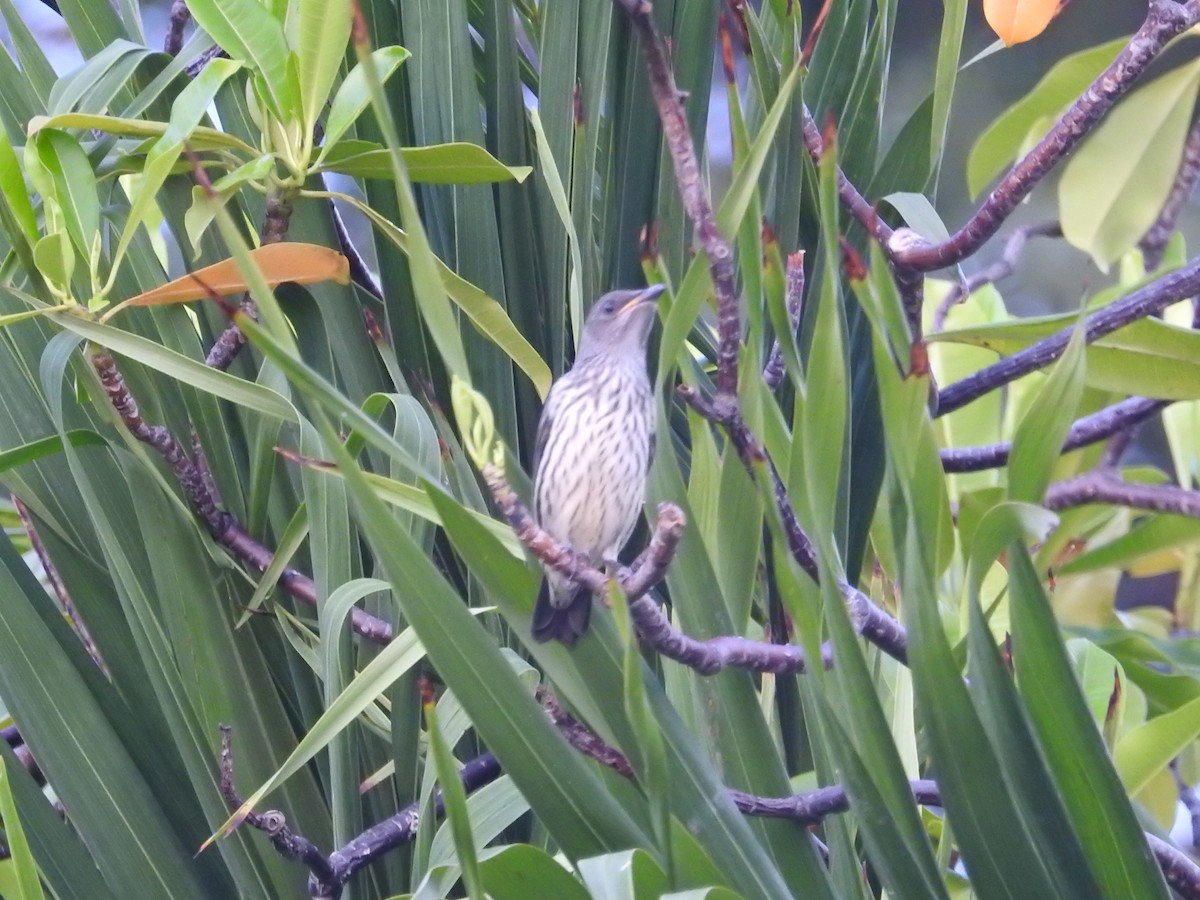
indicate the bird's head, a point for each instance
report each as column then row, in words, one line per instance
column 619, row 323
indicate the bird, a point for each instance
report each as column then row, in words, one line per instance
column 594, row 444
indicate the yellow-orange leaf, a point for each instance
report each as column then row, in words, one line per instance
column 299, row 263
column 1015, row 21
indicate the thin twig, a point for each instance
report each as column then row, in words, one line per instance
column 65, row 603
column 868, row 619
column 774, row 370
column 1155, row 240
column 289, row 844
column 1102, row 486
column 230, row 342
column 180, row 14
column 221, row 526
column 704, row 656
column 1164, row 20
column 1001, row 268
column 692, row 191
column 855, row 203
column 1180, row 284
column 1088, row 430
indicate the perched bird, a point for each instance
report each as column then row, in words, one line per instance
column 593, row 452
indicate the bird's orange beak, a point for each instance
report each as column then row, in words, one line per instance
column 649, row 295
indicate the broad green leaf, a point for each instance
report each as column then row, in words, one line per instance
column 55, row 260
column 26, row 884
column 1158, row 535
column 251, row 34
column 628, row 875
column 522, row 872
column 352, row 96
column 1042, row 430
column 1149, row 748
column 1113, row 188
column 1149, row 357
column 458, row 163
column 74, row 187
column 324, row 33
column 1002, row 141
column 13, row 188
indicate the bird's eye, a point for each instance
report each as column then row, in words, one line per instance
column 610, row 306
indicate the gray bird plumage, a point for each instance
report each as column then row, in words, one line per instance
column 593, row 452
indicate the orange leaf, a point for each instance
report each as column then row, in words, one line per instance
column 286, row 261
column 1016, row 21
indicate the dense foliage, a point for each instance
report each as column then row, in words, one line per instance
column 279, row 306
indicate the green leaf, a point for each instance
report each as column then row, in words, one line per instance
column 199, row 138
column 457, row 163
column 74, row 187
column 1042, row 430
column 1113, row 187
column 628, row 875
column 954, row 20
column 522, row 872
column 186, row 112
column 47, row 446
column 189, row 371
column 27, row 885
column 55, row 259
column 486, row 313
column 746, row 174
column 1148, row 749
column 1149, row 357
column 13, row 188
column 1002, row 141
column 454, row 797
column 1074, row 751
column 352, row 96
column 324, row 34
column 248, row 32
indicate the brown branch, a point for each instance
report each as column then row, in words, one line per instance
column 59, row 590
column 289, row 844
column 1164, row 20
column 704, row 656
column 692, row 191
column 180, row 14
column 1180, row 284
column 774, row 370
column 868, row 619
column 1155, row 240
column 1102, row 486
column 230, row 342
column 812, row 807
column 195, row 482
column 851, row 199
column 1088, row 430
column 1002, row 268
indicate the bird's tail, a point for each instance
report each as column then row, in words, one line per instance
column 562, row 612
